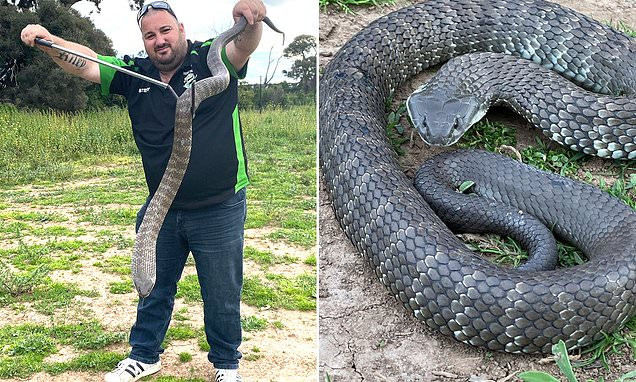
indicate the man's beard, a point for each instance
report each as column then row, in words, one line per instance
column 172, row 61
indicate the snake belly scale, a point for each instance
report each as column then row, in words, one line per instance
column 412, row 252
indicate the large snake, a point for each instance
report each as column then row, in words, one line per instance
column 413, row 253
column 144, row 267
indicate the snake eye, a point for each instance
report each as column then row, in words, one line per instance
column 458, row 122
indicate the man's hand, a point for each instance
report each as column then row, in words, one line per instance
column 239, row 50
column 31, row 31
column 69, row 62
column 253, row 10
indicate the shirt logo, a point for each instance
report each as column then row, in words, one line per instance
column 144, row 90
column 188, row 78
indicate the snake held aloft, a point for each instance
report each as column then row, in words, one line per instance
column 412, row 252
column 144, row 252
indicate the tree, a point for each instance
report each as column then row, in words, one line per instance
column 304, row 68
column 32, row 4
column 41, row 83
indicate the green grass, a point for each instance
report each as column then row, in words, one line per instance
column 277, row 291
column 188, row 288
column 53, row 296
column 168, row 378
column 621, row 26
column 87, row 165
column 180, row 315
column 23, row 348
column 311, row 260
column 95, row 361
column 203, row 343
column 394, row 129
column 39, row 145
column 109, row 216
column 253, row 323
column 185, row 357
column 282, row 169
column 304, row 237
column 508, row 252
column 266, row 258
column 121, row 287
column 35, row 287
column 345, row 5
column 488, row 136
column 553, row 158
column 40, row 217
column 180, row 332
column 118, row 264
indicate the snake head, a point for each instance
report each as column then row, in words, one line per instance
column 441, row 117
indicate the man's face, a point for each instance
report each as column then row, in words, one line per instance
column 164, row 39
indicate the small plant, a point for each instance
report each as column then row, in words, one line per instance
column 253, row 323
column 122, row 287
column 181, row 332
column 558, row 160
column 185, row 357
column 181, row 314
column 254, row 355
column 488, row 135
column 15, row 284
column 563, row 362
column 394, row 129
column 311, row 260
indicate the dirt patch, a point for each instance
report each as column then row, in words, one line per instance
column 365, row 334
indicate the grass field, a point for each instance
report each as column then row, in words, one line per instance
column 70, row 188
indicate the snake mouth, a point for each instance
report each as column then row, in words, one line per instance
column 440, row 133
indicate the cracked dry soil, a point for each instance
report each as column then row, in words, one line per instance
column 365, row 334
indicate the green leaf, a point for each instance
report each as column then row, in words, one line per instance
column 399, row 128
column 629, row 377
column 466, row 185
column 562, row 360
column 536, row 376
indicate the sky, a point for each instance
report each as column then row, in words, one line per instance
column 203, row 19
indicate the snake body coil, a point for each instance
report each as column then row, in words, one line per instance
column 412, row 252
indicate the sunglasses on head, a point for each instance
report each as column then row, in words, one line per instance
column 154, row 5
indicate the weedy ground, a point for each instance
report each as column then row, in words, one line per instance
column 70, row 188
column 346, row 5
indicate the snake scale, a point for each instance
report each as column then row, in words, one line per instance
column 413, row 253
column 144, row 267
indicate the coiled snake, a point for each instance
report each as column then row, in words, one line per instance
column 412, row 252
column 144, row 252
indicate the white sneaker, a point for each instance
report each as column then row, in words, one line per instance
column 227, row 375
column 130, row 370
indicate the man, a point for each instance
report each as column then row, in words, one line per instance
column 208, row 213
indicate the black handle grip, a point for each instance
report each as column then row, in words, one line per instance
column 44, row 42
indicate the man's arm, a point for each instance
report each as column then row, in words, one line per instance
column 239, row 50
column 71, row 63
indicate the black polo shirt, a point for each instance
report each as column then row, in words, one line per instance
column 218, row 164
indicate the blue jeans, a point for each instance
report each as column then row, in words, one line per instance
column 214, row 235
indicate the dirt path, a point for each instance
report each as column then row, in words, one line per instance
column 364, row 333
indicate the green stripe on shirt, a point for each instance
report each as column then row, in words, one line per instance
column 241, row 173
column 106, row 74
